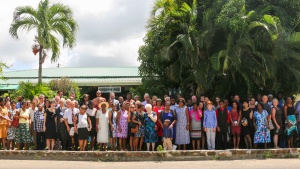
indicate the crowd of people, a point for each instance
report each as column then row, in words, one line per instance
column 130, row 124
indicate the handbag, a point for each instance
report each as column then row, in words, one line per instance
column 271, row 126
column 15, row 122
column 132, row 124
column 135, row 129
column 244, row 122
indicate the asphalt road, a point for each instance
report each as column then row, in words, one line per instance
column 240, row 164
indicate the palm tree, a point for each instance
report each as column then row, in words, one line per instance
column 47, row 20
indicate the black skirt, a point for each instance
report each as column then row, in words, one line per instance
column 83, row 134
column 93, row 132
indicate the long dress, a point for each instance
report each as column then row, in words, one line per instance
column 140, row 117
column 262, row 134
column 11, row 130
column 113, row 133
column 102, row 134
column 278, row 117
column 50, row 125
column 123, row 124
column 182, row 134
column 150, row 132
column 293, row 121
column 92, row 114
column 196, row 127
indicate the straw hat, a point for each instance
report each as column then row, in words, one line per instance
column 106, row 104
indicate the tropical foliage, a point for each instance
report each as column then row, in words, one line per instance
column 2, row 66
column 65, row 85
column 222, row 47
column 48, row 21
column 29, row 90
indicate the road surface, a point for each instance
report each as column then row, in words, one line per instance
column 239, row 164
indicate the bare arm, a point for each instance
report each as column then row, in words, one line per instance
column 129, row 117
column 251, row 114
column 273, row 116
column 45, row 117
column 285, row 112
column 90, row 123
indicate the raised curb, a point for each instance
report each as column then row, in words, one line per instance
column 118, row 156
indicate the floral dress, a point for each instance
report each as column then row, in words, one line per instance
column 262, row 133
column 123, row 125
column 11, row 133
column 150, row 132
column 182, row 135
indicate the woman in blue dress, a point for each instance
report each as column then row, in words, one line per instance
column 262, row 132
column 150, row 132
column 290, row 115
column 170, row 115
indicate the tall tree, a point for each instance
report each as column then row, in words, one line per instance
column 47, row 20
column 223, row 47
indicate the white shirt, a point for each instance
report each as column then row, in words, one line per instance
column 91, row 112
column 69, row 116
column 31, row 113
column 82, row 121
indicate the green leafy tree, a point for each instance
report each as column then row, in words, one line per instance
column 222, row 47
column 65, row 85
column 29, row 90
column 47, row 20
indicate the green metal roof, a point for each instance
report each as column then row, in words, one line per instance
column 8, row 87
column 76, row 72
column 83, row 76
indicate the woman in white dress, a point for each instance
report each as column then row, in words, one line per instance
column 102, row 125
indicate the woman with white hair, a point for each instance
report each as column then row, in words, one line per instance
column 277, row 121
column 150, row 132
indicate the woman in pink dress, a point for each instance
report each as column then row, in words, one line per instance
column 122, row 122
column 235, row 124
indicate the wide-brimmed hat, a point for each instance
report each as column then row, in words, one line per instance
column 100, row 104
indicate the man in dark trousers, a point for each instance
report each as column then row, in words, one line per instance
column 223, row 119
column 61, row 127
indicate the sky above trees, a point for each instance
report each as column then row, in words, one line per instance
column 110, row 33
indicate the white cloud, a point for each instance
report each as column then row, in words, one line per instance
column 110, row 33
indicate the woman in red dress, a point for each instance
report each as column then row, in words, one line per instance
column 235, row 124
column 158, row 108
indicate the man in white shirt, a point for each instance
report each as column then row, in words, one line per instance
column 113, row 98
column 69, row 117
column 32, row 110
column 146, row 99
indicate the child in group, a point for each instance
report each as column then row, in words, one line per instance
column 210, row 124
column 167, row 135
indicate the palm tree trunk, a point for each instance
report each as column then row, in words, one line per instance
column 40, row 65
